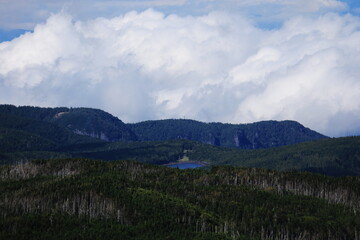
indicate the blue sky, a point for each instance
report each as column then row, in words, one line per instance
column 25, row 14
column 235, row 61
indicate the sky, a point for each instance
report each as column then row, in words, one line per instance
column 233, row 61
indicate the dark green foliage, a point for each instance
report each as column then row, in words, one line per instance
column 95, row 123
column 84, row 199
column 83, row 121
column 337, row 157
column 12, row 140
column 99, row 124
column 36, row 113
column 147, row 152
column 246, row 136
column 28, row 133
column 18, row 127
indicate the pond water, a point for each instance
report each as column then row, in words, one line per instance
column 185, row 165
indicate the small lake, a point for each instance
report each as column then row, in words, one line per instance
column 185, row 165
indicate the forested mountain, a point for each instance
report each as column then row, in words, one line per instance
column 99, row 124
column 336, row 157
column 82, row 121
column 85, row 199
column 24, row 134
column 28, row 133
column 246, row 136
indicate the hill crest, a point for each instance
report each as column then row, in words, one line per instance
column 99, row 124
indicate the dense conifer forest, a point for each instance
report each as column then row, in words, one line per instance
column 87, row 199
column 336, row 157
column 257, row 135
column 102, row 125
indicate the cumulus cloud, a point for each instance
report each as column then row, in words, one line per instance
column 214, row 67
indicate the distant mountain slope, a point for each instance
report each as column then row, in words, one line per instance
column 102, row 125
column 84, row 121
column 334, row 156
column 16, row 128
column 246, row 136
column 12, row 140
column 23, row 139
column 95, row 123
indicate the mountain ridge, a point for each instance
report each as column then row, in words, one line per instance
column 47, row 133
column 91, row 122
column 263, row 134
column 99, row 124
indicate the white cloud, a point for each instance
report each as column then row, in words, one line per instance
column 216, row 67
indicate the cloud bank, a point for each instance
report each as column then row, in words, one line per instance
column 214, row 67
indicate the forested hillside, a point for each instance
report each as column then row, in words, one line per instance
column 82, row 121
column 28, row 133
column 336, row 156
column 85, row 199
column 99, row 124
column 25, row 134
column 264, row 134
